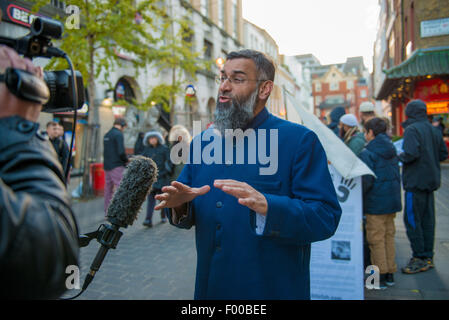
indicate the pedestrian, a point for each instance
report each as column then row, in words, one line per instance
column 60, row 146
column 178, row 134
column 350, row 134
column 115, row 159
column 138, row 146
column 253, row 227
column 381, row 198
column 155, row 148
column 366, row 110
column 335, row 116
column 438, row 123
column 424, row 149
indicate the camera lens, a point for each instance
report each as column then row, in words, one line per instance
column 47, row 28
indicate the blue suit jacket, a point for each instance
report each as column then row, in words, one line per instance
column 233, row 262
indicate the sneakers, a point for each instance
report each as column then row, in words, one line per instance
column 416, row 265
column 389, row 279
column 382, row 282
column 147, row 224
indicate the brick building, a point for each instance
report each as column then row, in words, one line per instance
column 342, row 84
column 411, row 57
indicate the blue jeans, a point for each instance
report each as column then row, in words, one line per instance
column 151, row 204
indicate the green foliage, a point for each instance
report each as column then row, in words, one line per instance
column 108, row 27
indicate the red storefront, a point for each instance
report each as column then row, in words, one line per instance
column 425, row 76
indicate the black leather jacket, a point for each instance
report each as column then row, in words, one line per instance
column 38, row 231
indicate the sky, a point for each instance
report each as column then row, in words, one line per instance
column 332, row 30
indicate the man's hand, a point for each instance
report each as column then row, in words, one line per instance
column 246, row 195
column 178, row 194
column 11, row 105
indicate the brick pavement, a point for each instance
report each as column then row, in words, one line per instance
column 156, row 264
column 159, row 263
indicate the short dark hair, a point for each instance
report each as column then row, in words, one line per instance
column 378, row 126
column 265, row 67
column 51, row 123
column 120, row 122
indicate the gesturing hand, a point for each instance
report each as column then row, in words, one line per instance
column 246, row 195
column 177, row 194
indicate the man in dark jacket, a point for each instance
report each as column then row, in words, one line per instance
column 61, row 147
column 335, row 116
column 38, row 231
column 154, row 148
column 381, row 198
column 424, row 149
column 115, row 159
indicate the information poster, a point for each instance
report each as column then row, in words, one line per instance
column 336, row 265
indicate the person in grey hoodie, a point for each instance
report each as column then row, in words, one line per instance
column 424, row 149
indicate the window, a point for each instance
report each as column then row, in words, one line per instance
column 334, row 86
column 236, row 19
column 391, row 47
column 349, row 85
column 318, row 100
column 363, row 93
column 350, row 97
column 318, row 87
column 204, row 8
column 221, row 14
column 208, row 48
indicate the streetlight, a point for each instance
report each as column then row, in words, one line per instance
column 220, row 62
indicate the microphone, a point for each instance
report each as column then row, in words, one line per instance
column 125, row 205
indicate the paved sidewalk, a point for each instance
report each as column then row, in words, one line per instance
column 159, row 263
column 434, row 283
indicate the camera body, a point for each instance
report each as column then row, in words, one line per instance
column 57, row 95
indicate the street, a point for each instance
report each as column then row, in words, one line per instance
column 159, row 263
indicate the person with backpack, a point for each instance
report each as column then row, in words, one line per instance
column 381, row 198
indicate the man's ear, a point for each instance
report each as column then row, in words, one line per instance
column 265, row 90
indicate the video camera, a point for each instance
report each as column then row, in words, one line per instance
column 59, row 91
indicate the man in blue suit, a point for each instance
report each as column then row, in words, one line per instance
column 254, row 225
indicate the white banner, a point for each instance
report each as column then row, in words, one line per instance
column 336, row 264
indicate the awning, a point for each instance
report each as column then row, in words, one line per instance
column 423, row 62
column 332, row 103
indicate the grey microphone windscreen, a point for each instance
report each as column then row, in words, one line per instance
column 134, row 187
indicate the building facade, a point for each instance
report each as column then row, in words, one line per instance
column 411, row 57
column 217, row 29
column 342, row 84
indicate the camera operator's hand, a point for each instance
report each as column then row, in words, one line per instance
column 10, row 104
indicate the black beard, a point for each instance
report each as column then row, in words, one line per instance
column 235, row 114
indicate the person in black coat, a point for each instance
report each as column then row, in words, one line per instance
column 38, row 230
column 138, row 146
column 424, row 149
column 381, row 198
column 155, row 148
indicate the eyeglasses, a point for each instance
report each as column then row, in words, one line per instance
column 233, row 79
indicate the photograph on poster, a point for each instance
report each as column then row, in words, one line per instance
column 341, row 250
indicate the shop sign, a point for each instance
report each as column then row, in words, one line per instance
column 432, row 90
column 190, row 91
column 432, row 28
column 437, row 107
